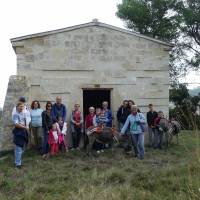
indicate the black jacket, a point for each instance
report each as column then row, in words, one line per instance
column 46, row 120
column 122, row 114
column 151, row 116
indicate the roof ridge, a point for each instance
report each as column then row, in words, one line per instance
column 94, row 22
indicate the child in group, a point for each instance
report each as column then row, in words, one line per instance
column 100, row 118
column 62, row 127
column 53, row 139
column 96, row 117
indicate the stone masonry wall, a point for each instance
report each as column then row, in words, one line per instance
column 17, row 86
column 64, row 63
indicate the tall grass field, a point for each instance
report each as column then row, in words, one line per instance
column 169, row 174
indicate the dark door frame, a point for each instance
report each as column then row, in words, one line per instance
column 95, row 89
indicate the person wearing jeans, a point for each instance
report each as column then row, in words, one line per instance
column 20, row 133
column 136, row 121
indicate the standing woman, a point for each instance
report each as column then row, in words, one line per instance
column 20, row 133
column 89, row 122
column 36, row 124
column 137, row 122
column 76, row 125
column 46, row 125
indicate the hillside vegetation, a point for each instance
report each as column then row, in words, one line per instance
column 168, row 174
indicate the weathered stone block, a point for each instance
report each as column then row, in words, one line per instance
column 17, row 86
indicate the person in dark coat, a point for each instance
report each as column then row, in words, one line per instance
column 59, row 110
column 47, row 122
column 122, row 114
column 151, row 116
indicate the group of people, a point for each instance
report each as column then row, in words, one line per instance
column 134, row 124
column 48, row 127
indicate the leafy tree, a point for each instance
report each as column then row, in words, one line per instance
column 185, row 107
column 179, row 94
column 150, row 17
column 176, row 21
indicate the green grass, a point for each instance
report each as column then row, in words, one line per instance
column 169, row 174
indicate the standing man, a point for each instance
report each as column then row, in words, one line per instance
column 151, row 116
column 108, row 114
column 59, row 110
column 122, row 114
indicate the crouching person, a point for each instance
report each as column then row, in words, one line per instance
column 20, row 133
column 136, row 121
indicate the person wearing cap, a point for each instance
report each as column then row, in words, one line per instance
column 59, row 110
column 136, row 121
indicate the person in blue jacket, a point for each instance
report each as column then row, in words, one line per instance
column 108, row 114
column 137, row 122
column 58, row 110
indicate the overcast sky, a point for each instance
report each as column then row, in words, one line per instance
column 23, row 17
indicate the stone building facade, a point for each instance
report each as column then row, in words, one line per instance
column 88, row 63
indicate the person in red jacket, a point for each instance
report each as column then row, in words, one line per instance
column 89, row 122
column 76, row 122
column 89, row 118
column 53, row 139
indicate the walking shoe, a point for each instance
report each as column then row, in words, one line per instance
column 18, row 167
